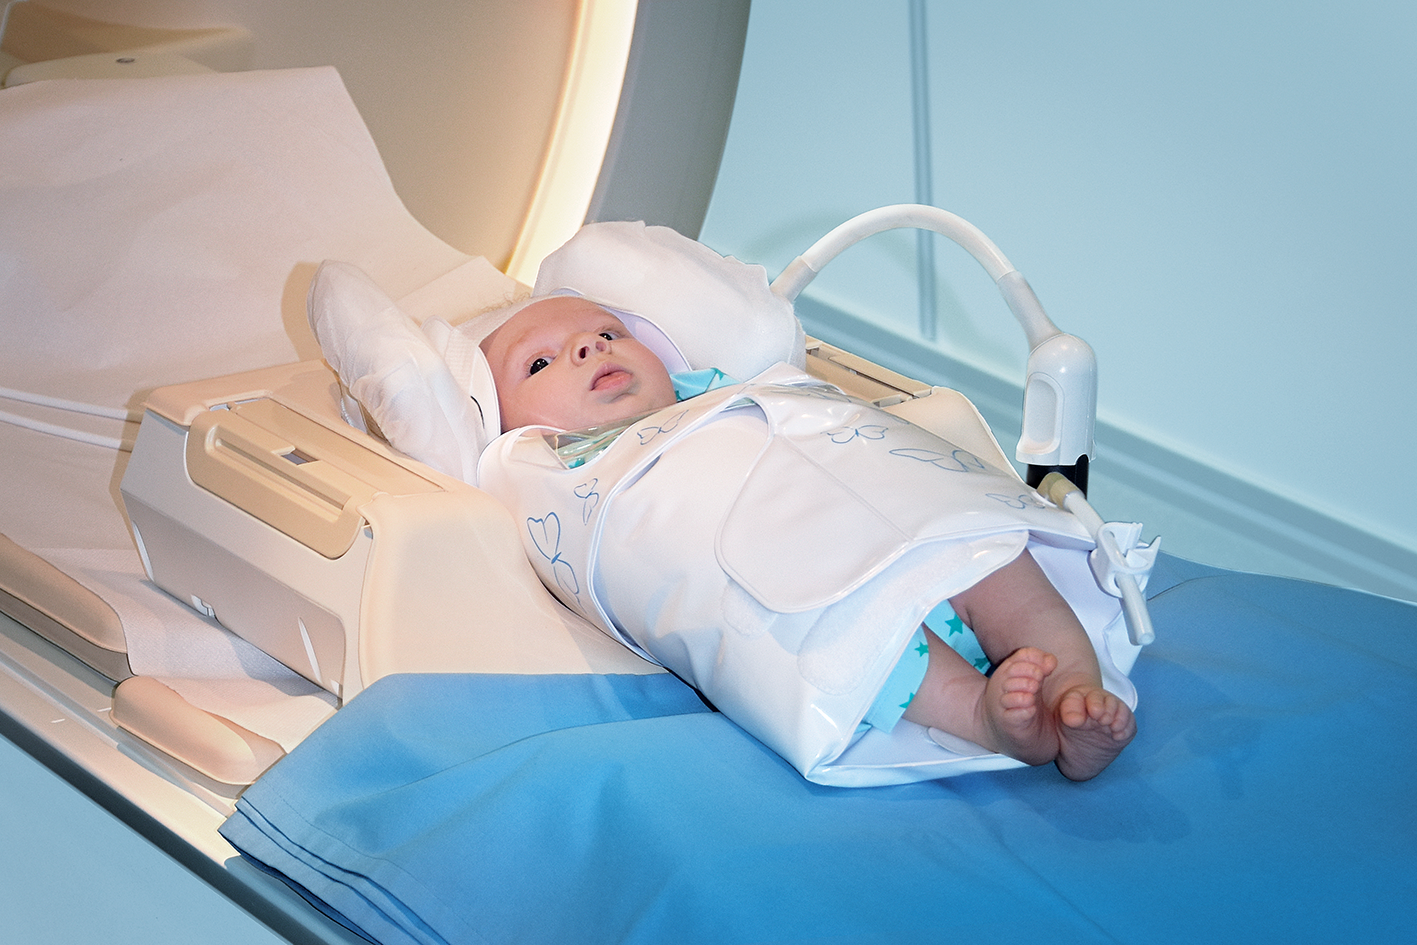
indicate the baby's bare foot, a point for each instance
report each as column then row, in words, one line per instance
column 1093, row 728
column 1015, row 714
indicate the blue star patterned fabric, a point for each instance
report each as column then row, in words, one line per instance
column 900, row 687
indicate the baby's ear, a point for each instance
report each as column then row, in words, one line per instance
column 397, row 377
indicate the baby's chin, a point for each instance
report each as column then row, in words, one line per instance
column 628, row 408
column 581, row 419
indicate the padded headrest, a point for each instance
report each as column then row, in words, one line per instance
column 718, row 311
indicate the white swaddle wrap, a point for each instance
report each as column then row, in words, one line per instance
column 776, row 544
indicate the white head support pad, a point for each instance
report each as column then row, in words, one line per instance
column 692, row 307
column 718, row 311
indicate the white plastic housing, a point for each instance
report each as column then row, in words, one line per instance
column 1059, row 403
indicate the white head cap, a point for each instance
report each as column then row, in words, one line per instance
column 461, row 348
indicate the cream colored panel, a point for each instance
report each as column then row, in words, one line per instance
column 459, row 95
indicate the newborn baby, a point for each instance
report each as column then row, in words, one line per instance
column 567, row 363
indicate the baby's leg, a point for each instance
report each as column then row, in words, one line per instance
column 1016, row 613
column 1003, row 712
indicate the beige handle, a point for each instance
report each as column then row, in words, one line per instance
column 264, row 474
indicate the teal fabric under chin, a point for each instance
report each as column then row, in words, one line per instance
column 1266, row 798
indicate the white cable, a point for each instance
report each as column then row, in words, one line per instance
column 1068, row 496
column 68, row 433
column 73, row 406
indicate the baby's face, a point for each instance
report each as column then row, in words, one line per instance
column 568, row 363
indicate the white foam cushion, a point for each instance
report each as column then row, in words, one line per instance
column 718, row 311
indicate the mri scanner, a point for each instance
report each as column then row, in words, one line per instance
column 174, row 175
column 503, row 126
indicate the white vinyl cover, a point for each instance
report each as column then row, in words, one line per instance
column 779, row 556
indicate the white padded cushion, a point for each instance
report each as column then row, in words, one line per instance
column 718, row 311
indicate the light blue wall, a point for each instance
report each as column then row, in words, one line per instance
column 70, row 873
column 1217, row 196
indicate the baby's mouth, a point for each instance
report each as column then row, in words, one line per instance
column 608, row 377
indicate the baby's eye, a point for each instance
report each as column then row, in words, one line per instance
column 537, row 365
column 608, row 335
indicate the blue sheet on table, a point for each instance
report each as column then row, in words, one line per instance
column 1268, row 797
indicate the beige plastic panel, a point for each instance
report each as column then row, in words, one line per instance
column 217, row 747
column 35, row 32
column 310, row 383
column 942, row 411
column 436, row 579
column 292, row 473
column 61, row 610
column 460, row 96
column 859, row 377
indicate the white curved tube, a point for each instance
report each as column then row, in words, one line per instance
column 1016, row 291
column 1060, row 391
column 894, row 217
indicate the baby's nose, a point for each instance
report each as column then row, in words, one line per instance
column 590, row 345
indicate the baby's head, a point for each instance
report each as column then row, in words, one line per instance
column 568, row 363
